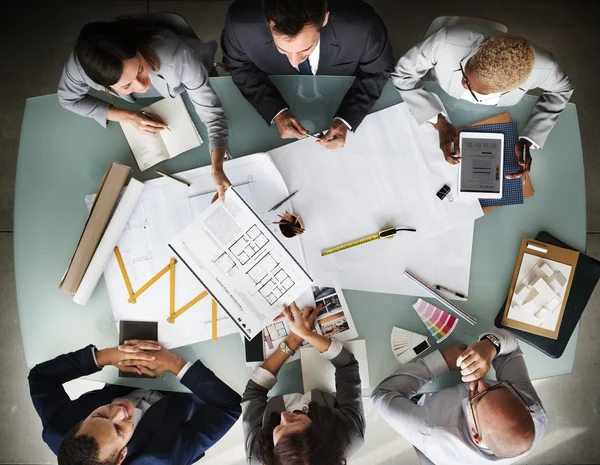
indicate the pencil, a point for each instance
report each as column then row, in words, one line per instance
column 283, row 201
column 156, row 373
column 173, row 178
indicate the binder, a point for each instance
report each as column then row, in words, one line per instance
column 584, row 280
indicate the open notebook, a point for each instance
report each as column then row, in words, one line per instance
column 183, row 136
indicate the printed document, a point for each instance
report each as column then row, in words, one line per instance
column 241, row 263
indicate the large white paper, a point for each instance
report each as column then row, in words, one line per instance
column 241, row 263
column 319, row 373
column 164, row 209
column 387, row 175
column 111, row 235
column 183, row 136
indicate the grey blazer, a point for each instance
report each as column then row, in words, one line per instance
column 440, row 55
column 346, row 404
column 180, row 70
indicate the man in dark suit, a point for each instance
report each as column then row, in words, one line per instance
column 119, row 424
column 295, row 37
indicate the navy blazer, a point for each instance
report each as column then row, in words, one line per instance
column 178, row 428
column 353, row 43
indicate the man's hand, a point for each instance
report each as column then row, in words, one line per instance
column 449, row 140
column 335, row 138
column 289, row 127
column 476, row 360
column 451, row 354
column 523, row 147
column 142, row 352
column 218, row 175
column 162, row 361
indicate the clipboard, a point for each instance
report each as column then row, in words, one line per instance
column 586, row 277
column 499, row 119
column 554, row 253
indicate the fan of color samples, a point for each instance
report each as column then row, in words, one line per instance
column 407, row 345
column 438, row 322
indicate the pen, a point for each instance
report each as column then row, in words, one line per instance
column 313, row 136
column 173, row 178
column 448, row 291
column 156, row 373
column 283, row 201
column 153, row 118
column 525, row 148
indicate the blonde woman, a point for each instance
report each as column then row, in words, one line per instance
column 485, row 67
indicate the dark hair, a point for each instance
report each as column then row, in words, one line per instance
column 82, row 450
column 290, row 16
column 323, row 443
column 102, row 46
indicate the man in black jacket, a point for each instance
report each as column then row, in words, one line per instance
column 307, row 37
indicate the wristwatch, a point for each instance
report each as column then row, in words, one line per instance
column 494, row 340
column 284, row 347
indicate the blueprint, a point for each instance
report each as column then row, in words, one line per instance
column 241, row 263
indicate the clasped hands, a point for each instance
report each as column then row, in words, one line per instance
column 290, row 128
column 141, row 357
column 472, row 361
column 450, row 147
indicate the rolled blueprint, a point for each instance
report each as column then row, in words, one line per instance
column 109, row 241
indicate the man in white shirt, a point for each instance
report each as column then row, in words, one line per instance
column 119, row 424
column 475, row 422
column 286, row 37
column 483, row 66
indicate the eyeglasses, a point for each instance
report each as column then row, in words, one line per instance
column 468, row 83
column 475, row 397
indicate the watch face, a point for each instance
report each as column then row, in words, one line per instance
column 282, row 346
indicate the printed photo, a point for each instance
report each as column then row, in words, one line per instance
column 333, row 324
column 328, row 298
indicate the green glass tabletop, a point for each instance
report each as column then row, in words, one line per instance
column 62, row 158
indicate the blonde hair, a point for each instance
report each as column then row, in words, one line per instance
column 502, row 63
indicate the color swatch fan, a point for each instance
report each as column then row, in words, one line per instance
column 407, row 345
column 438, row 322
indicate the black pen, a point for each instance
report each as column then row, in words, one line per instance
column 283, row 201
column 437, row 287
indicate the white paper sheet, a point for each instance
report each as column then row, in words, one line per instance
column 110, row 238
column 241, row 263
column 387, row 175
column 319, row 373
column 164, row 209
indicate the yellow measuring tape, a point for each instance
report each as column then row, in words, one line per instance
column 170, row 268
column 385, row 234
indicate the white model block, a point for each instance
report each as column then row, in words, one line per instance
column 558, row 276
column 542, row 312
column 531, row 307
column 544, row 290
column 554, row 284
column 555, row 304
column 545, row 268
column 521, row 293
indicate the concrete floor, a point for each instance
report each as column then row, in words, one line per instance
column 37, row 39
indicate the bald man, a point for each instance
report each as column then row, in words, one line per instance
column 474, row 422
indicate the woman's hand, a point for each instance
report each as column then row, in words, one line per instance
column 301, row 323
column 144, row 124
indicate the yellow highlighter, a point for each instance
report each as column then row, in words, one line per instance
column 384, row 234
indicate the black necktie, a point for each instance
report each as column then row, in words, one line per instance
column 304, row 68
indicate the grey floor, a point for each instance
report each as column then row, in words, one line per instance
column 36, row 40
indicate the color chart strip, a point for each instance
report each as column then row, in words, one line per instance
column 438, row 322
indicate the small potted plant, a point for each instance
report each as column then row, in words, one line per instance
column 290, row 224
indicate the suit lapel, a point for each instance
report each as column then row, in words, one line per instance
column 150, row 422
column 330, row 49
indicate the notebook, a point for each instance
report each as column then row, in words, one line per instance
column 587, row 273
column 183, row 135
column 145, row 330
column 512, row 189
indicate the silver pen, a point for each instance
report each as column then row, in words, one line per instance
column 437, row 287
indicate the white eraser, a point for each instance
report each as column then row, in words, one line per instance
column 537, row 248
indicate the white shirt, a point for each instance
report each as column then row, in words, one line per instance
column 488, row 99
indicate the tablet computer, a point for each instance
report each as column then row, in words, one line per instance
column 481, row 171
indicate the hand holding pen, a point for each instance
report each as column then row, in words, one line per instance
column 523, row 151
column 155, row 118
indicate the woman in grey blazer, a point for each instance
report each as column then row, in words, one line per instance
column 134, row 59
column 314, row 428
